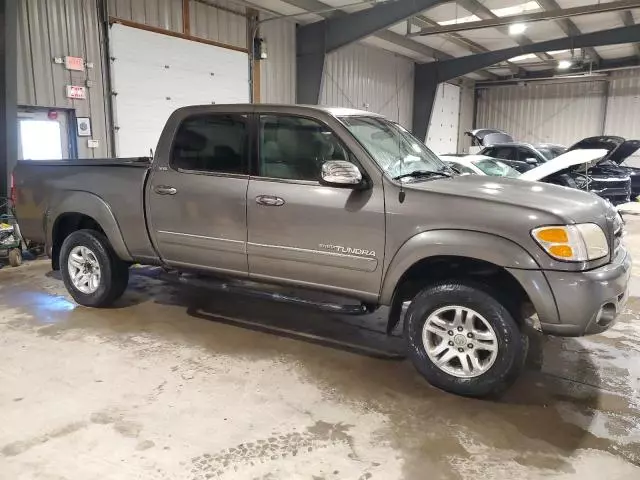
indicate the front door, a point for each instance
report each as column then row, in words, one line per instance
column 305, row 232
column 198, row 210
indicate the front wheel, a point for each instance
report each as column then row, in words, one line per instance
column 92, row 272
column 463, row 340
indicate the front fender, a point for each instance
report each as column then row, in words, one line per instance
column 457, row 243
column 92, row 206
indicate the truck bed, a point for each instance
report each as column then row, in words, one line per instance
column 42, row 186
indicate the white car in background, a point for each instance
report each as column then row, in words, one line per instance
column 479, row 165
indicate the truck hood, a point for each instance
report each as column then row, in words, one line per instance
column 568, row 204
column 489, row 136
column 566, row 161
column 618, row 149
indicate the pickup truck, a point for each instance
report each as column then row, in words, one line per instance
column 344, row 202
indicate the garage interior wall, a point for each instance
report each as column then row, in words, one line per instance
column 467, row 111
column 278, row 71
column 370, row 79
column 545, row 112
column 442, row 134
column 57, row 28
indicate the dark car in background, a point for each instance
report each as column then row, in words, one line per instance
column 592, row 164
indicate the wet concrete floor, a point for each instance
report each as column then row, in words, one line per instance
column 178, row 384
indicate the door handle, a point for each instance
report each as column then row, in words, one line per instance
column 165, row 190
column 269, row 201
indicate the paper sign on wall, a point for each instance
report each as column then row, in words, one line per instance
column 74, row 63
column 75, row 92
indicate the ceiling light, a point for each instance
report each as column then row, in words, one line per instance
column 517, row 28
column 564, row 64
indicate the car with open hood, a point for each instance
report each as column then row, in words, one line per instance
column 592, row 164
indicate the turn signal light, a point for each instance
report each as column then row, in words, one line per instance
column 552, row 235
column 561, row 251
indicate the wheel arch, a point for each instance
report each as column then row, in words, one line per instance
column 441, row 254
column 83, row 210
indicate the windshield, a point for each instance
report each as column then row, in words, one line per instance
column 498, row 169
column 392, row 147
column 550, row 152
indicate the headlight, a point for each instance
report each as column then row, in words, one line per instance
column 573, row 243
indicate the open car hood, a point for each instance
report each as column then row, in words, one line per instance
column 566, row 161
column 489, row 136
column 618, row 149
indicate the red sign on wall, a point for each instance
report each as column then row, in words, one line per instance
column 74, row 63
column 76, row 92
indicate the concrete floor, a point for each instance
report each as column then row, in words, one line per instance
column 177, row 385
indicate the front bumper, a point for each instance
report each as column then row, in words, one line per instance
column 589, row 302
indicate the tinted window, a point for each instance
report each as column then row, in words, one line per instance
column 295, row 148
column 550, row 152
column 506, row 153
column 526, row 153
column 211, row 143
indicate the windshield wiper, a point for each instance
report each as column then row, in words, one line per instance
column 422, row 174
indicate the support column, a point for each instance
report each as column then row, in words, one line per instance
column 424, row 95
column 8, row 92
column 310, row 58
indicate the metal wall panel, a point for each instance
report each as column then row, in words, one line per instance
column 278, row 71
column 165, row 14
column 467, row 106
column 544, row 112
column 369, row 79
column 57, row 28
column 442, row 134
column 219, row 25
column 623, row 105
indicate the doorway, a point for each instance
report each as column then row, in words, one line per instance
column 43, row 134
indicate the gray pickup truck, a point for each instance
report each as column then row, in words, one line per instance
column 344, row 202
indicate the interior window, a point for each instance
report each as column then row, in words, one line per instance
column 526, row 153
column 295, row 148
column 506, row 153
column 212, row 143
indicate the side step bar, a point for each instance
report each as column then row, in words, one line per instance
column 237, row 287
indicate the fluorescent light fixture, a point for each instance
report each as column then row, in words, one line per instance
column 564, row 64
column 517, row 28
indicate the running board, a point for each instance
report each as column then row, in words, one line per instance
column 237, row 287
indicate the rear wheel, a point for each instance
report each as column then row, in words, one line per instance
column 92, row 272
column 463, row 340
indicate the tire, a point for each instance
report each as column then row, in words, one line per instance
column 113, row 273
column 493, row 371
column 15, row 257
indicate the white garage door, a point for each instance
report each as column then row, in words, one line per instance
column 442, row 136
column 154, row 74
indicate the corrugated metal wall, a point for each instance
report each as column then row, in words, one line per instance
column 623, row 107
column 369, row 79
column 220, row 25
column 165, row 14
column 59, row 28
column 544, row 112
column 278, row 71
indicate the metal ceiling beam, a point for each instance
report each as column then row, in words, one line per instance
column 315, row 40
column 606, row 65
column 460, row 41
column 569, row 28
column 312, row 6
column 627, row 19
column 549, row 14
column 428, row 73
column 476, row 8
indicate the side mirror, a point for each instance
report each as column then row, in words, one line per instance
column 531, row 161
column 339, row 173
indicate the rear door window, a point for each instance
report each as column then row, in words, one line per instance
column 215, row 143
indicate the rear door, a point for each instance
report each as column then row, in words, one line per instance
column 197, row 202
column 304, row 232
